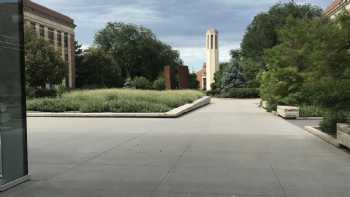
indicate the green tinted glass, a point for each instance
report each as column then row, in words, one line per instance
column 13, row 151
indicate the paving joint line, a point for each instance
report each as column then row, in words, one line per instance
column 78, row 164
column 279, row 181
column 173, row 167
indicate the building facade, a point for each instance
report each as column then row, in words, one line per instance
column 57, row 28
column 212, row 50
column 337, row 7
column 202, row 78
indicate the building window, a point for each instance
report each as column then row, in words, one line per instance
column 65, row 40
column 42, row 31
column 216, row 42
column 212, row 42
column 59, row 38
column 51, row 36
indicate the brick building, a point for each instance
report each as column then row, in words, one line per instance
column 337, row 7
column 202, row 78
column 57, row 28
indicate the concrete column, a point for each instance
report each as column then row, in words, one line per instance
column 37, row 29
column 62, row 47
column 46, row 33
column 55, row 39
column 71, row 69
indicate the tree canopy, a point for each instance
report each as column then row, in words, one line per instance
column 43, row 64
column 136, row 50
column 262, row 33
column 98, row 69
column 311, row 64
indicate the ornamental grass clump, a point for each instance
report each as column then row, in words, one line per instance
column 115, row 100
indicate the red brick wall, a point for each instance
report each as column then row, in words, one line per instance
column 169, row 77
column 184, row 77
column 200, row 75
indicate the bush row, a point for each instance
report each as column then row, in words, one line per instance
column 144, row 84
column 238, row 93
column 115, row 100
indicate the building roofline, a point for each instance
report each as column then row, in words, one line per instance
column 35, row 8
column 335, row 6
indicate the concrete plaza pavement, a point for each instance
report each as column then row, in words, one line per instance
column 230, row 148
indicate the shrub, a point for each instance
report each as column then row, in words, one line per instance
column 61, row 89
column 311, row 111
column 30, row 92
column 240, row 93
column 159, row 84
column 52, row 105
column 330, row 120
column 41, row 93
column 115, row 100
column 141, row 83
column 281, row 86
column 194, row 84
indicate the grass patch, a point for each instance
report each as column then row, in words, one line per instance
column 115, row 100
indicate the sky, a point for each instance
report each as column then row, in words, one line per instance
column 179, row 23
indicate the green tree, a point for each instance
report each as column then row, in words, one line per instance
column 43, row 65
column 194, row 83
column 230, row 74
column 97, row 69
column 262, row 33
column 317, row 50
column 136, row 49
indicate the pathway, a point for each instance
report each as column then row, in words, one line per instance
column 231, row 148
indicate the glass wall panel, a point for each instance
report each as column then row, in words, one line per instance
column 13, row 139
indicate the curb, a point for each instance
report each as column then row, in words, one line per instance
column 174, row 113
column 309, row 118
column 324, row 136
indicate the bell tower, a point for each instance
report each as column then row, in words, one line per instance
column 212, row 50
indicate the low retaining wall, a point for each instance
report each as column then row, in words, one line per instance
column 324, row 136
column 343, row 134
column 177, row 112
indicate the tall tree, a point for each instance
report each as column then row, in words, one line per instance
column 230, row 74
column 97, row 69
column 43, row 64
column 136, row 50
column 262, row 33
column 311, row 65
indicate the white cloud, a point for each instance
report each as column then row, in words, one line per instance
column 95, row 14
column 180, row 23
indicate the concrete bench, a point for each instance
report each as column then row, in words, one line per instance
column 288, row 111
column 343, row 134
